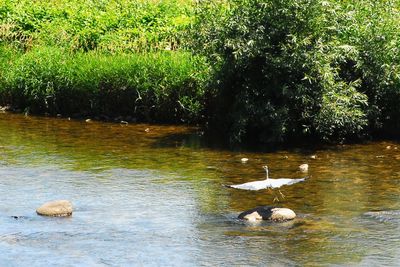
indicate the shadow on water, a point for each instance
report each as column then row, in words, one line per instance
column 153, row 195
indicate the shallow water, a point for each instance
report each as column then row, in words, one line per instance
column 154, row 198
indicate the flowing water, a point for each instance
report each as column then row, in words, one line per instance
column 147, row 195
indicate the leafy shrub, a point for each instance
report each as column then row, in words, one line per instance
column 342, row 113
column 300, row 68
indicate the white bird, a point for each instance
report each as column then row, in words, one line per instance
column 267, row 183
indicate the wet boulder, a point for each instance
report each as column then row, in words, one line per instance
column 57, row 208
column 268, row 213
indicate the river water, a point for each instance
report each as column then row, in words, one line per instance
column 147, row 195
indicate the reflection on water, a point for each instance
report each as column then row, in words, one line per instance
column 155, row 198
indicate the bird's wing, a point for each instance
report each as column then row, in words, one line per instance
column 276, row 183
column 270, row 183
column 256, row 185
column 294, row 181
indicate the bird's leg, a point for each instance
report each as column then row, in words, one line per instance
column 282, row 195
column 276, row 198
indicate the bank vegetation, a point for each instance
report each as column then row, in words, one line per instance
column 267, row 71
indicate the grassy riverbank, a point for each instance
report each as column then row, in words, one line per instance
column 101, row 58
column 162, row 86
column 266, row 71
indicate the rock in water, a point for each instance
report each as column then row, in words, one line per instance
column 303, row 167
column 384, row 215
column 268, row 213
column 282, row 214
column 244, row 160
column 58, row 208
column 254, row 216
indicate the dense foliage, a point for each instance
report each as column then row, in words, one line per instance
column 112, row 58
column 302, row 68
column 281, row 70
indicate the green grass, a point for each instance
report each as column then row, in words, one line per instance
column 101, row 57
column 163, row 86
column 113, row 26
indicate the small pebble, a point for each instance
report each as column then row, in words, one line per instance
column 88, row 120
column 244, row 160
column 313, row 157
column 147, row 130
column 303, row 167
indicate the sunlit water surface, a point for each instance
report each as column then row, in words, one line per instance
column 147, row 195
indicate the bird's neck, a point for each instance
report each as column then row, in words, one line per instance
column 266, row 173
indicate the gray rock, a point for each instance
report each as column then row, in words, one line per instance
column 268, row 213
column 58, row 208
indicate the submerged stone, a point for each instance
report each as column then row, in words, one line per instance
column 384, row 215
column 268, row 213
column 18, row 217
column 58, row 208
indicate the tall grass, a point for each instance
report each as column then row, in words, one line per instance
column 101, row 57
column 107, row 25
column 164, row 86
